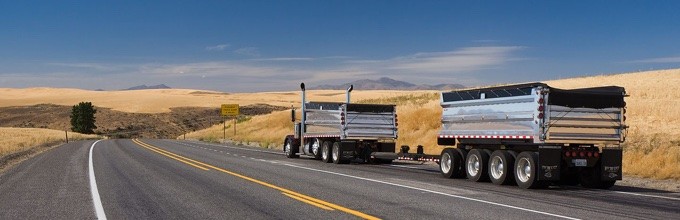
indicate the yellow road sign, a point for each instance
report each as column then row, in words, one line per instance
column 229, row 109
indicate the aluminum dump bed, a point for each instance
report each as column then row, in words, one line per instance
column 534, row 113
column 350, row 121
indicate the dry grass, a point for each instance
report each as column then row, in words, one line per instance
column 161, row 100
column 652, row 148
column 265, row 130
column 14, row 140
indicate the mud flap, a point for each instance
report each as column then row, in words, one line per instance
column 611, row 164
column 549, row 162
column 347, row 148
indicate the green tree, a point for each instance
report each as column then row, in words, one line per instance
column 82, row 118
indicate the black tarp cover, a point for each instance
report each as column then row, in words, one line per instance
column 596, row 97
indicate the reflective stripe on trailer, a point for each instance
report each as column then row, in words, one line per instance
column 419, row 159
column 488, row 136
column 322, row 136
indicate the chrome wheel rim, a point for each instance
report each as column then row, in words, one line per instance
column 286, row 148
column 473, row 165
column 324, row 152
column 335, row 154
column 315, row 148
column 497, row 167
column 445, row 163
column 523, row 170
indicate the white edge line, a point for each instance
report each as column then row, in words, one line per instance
column 655, row 196
column 98, row 208
column 435, row 192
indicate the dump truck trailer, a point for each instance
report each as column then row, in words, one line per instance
column 343, row 132
column 533, row 135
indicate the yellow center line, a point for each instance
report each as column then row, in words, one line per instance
column 309, row 202
column 283, row 190
column 170, row 156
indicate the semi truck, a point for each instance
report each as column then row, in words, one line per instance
column 533, row 135
column 343, row 132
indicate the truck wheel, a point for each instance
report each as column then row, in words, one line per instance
column 290, row 149
column 500, row 167
column 326, row 151
column 316, row 148
column 451, row 164
column 336, row 154
column 590, row 178
column 476, row 165
column 526, row 170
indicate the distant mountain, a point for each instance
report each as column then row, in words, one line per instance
column 386, row 83
column 161, row 86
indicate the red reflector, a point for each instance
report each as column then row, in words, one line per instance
column 540, row 101
column 540, row 115
column 541, row 108
column 596, row 154
column 590, row 154
column 567, row 154
column 582, row 154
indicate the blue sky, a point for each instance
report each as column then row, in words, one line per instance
column 242, row 46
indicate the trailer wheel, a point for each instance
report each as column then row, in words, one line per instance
column 476, row 165
column 500, row 167
column 290, row 149
column 336, row 154
column 526, row 170
column 451, row 164
column 316, row 148
column 590, row 178
column 326, row 151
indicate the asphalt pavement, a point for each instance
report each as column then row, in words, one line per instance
column 172, row 179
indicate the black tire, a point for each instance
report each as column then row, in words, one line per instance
column 527, row 178
column 451, row 164
column 590, row 178
column 476, row 165
column 501, row 163
column 336, row 154
column 317, row 154
column 290, row 149
column 326, row 148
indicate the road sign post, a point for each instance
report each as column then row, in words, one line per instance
column 229, row 110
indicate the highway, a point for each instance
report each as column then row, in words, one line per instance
column 172, row 179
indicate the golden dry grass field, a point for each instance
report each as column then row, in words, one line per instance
column 161, row 100
column 13, row 140
column 652, row 148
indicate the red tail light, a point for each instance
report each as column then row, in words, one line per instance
column 567, row 154
column 582, row 154
column 590, row 154
column 596, row 154
column 540, row 101
column 541, row 108
column 540, row 115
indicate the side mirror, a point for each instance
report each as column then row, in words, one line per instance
column 302, row 86
column 292, row 115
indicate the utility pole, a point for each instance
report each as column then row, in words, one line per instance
column 224, row 128
column 65, row 131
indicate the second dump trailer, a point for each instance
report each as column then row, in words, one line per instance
column 533, row 134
